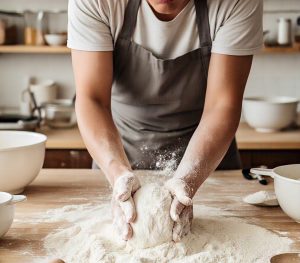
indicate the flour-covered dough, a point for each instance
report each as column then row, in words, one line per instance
column 153, row 225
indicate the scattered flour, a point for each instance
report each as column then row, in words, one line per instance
column 153, row 225
column 90, row 238
column 262, row 197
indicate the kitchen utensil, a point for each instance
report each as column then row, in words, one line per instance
column 270, row 114
column 286, row 258
column 7, row 202
column 18, row 122
column 60, row 113
column 21, row 159
column 250, row 176
column 284, row 31
column 287, row 187
column 262, row 198
column 56, row 39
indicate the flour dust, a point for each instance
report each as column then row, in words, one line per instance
column 214, row 238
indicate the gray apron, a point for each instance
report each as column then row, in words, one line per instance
column 157, row 104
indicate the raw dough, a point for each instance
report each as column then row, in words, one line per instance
column 153, row 225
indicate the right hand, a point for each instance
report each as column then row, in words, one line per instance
column 123, row 207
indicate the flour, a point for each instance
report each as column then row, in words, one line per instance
column 153, row 225
column 262, row 197
column 90, row 238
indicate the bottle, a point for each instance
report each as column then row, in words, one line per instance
column 297, row 33
column 284, row 32
column 2, row 31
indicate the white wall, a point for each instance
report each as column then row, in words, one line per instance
column 276, row 74
column 272, row 74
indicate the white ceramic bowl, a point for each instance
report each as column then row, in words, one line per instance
column 7, row 210
column 56, row 39
column 270, row 114
column 7, row 213
column 21, row 159
column 287, row 187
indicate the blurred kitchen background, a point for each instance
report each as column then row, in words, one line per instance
column 274, row 72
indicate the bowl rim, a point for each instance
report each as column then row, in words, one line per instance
column 280, row 176
column 272, row 100
column 36, row 134
column 8, row 199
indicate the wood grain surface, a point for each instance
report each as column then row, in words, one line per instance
column 247, row 139
column 57, row 188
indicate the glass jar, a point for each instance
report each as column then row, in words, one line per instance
column 34, row 28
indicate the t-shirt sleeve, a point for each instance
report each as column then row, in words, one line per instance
column 88, row 27
column 241, row 33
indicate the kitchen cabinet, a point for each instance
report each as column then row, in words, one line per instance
column 269, row 158
column 61, row 158
column 65, row 148
column 81, row 159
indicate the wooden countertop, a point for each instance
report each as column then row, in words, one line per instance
column 247, row 139
column 57, row 188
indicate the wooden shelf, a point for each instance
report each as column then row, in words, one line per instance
column 34, row 49
column 64, row 50
column 281, row 50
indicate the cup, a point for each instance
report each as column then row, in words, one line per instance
column 44, row 91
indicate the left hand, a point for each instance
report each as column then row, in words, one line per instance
column 181, row 208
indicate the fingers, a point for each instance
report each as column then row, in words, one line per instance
column 177, row 187
column 183, row 226
column 124, row 211
column 125, row 185
column 129, row 211
column 176, row 209
column 119, row 221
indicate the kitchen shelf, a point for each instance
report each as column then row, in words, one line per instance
column 280, row 50
column 34, row 49
column 19, row 49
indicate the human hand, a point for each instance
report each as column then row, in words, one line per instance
column 181, row 208
column 123, row 207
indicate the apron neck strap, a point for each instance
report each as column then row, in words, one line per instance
column 201, row 14
column 130, row 19
column 203, row 23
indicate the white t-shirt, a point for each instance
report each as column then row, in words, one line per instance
column 235, row 27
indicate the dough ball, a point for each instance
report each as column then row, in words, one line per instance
column 153, row 225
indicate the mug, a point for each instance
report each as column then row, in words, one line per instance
column 44, row 91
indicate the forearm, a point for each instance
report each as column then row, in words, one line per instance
column 208, row 145
column 101, row 137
